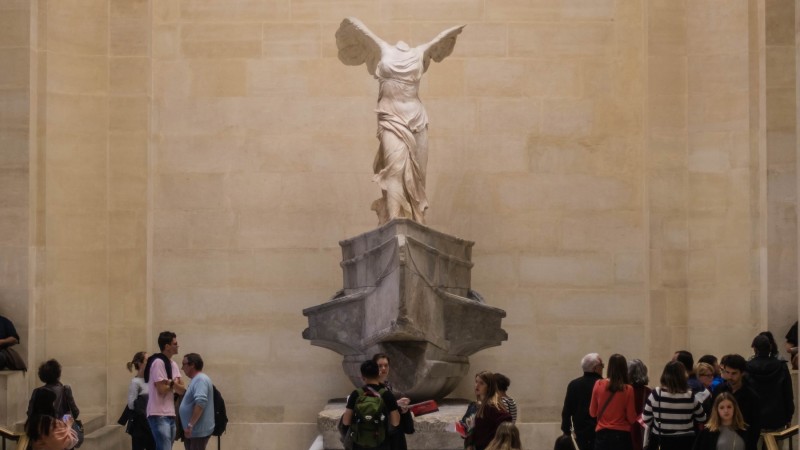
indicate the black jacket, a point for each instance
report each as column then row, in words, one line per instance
column 707, row 440
column 770, row 378
column 576, row 404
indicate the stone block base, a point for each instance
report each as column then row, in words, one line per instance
column 13, row 397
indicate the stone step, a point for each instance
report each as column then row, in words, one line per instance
column 107, row 437
column 13, row 397
column 92, row 422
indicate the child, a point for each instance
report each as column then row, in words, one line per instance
column 505, row 438
column 726, row 428
column 502, row 386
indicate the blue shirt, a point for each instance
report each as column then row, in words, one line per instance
column 200, row 392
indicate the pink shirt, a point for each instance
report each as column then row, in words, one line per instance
column 157, row 404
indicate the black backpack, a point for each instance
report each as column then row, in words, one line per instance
column 220, row 414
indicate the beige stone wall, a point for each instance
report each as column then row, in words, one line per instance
column 625, row 169
column 715, row 167
column 15, row 173
column 781, row 147
column 72, row 302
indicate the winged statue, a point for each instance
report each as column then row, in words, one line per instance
column 402, row 157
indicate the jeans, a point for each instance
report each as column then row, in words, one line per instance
column 163, row 428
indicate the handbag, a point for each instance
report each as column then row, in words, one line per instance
column 645, row 436
column 13, row 360
column 77, row 425
column 564, row 441
column 344, row 435
column 647, row 431
column 572, row 435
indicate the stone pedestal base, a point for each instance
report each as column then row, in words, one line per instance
column 13, row 397
column 406, row 292
column 429, row 432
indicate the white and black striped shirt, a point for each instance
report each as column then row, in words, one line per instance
column 511, row 407
column 672, row 413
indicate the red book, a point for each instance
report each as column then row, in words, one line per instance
column 426, row 407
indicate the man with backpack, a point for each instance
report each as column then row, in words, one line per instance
column 197, row 406
column 369, row 410
column 163, row 380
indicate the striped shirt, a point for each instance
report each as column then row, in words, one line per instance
column 511, row 407
column 671, row 414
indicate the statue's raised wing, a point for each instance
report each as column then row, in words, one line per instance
column 441, row 46
column 358, row 45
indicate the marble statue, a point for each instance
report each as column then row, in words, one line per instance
column 402, row 157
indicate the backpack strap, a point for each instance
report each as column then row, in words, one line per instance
column 376, row 393
column 151, row 359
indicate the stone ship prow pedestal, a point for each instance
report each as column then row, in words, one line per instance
column 406, row 292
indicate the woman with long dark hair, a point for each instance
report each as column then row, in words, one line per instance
column 612, row 405
column 45, row 431
column 485, row 415
column 672, row 411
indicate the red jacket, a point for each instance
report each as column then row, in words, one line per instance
column 620, row 413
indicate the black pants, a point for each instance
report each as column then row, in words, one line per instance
column 585, row 440
column 613, row 440
column 143, row 442
column 679, row 442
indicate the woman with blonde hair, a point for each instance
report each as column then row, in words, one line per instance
column 506, row 438
column 725, row 429
column 485, row 414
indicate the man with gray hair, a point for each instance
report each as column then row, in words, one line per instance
column 197, row 407
column 576, row 403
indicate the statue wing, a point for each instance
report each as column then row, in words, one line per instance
column 441, row 46
column 358, row 45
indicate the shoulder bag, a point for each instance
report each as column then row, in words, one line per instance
column 77, row 425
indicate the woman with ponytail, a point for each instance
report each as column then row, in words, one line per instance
column 135, row 416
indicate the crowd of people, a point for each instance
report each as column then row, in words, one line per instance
column 160, row 403
column 712, row 405
column 377, row 416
